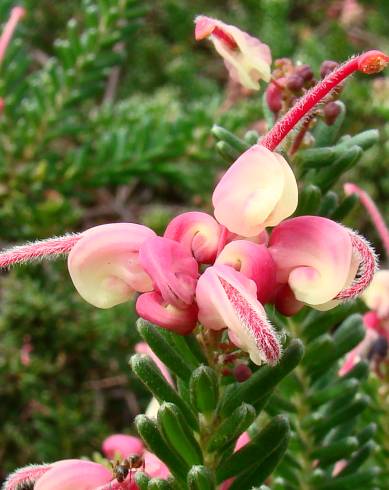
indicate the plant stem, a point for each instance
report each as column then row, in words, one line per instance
column 370, row 62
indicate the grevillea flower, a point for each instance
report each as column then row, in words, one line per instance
column 122, row 446
column 376, row 295
column 321, row 261
column 104, row 263
column 198, row 233
column 257, row 191
column 228, row 299
column 247, row 59
column 174, row 273
column 255, row 262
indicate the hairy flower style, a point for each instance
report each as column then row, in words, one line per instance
column 122, row 446
column 17, row 13
column 104, row 264
column 376, row 295
column 228, row 299
column 373, row 211
column 247, row 59
column 320, row 260
column 255, row 262
column 257, row 191
column 198, row 233
column 26, row 477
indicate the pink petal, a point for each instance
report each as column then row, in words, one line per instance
column 74, row 474
column 104, row 264
column 154, row 467
column 313, row 255
column 152, row 307
column 174, row 272
column 255, row 262
column 121, row 445
column 376, row 295
column 257, row 191
column 198, row 233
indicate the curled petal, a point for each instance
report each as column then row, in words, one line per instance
column 71, row 474
column 247, row 59
column 314, row 256
column 152, row 307
column 198, row 233
column 25, row 477
column 257, row 191
column 376, row 295
column 104, row 264
column 121, row 445
column 255, row 262
column 173, row 270
column 226, row 298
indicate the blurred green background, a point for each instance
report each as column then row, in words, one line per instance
column 108, row 110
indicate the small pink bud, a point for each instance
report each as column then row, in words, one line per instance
column 242, row 373
column 331, row 111
column 327, row 67
column 273, row 96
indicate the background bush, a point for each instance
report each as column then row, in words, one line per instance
column 108, row 111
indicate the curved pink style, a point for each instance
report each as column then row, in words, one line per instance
column 316, row 257
column 17, row 13
column 359, row 352
column 255, row 262
column 122, row 446
column 172, row 269
column 198, row 233
column 228, row 299
column 247, row 59
column 104, row 264
column 373, row 211
column 152, row 307
column 257, row 191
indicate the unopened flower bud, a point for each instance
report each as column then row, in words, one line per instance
column 331, row 111
column 273, row 96
column 327, row 67
column 242, row 373
column 305, row 72
column 295, row 83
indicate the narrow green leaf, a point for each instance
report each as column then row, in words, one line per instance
column 260, row 472
column 357, row 459
column 318, row 351
column 204, row 389
column 367, row 433
column 345, row 387
column 345, row 207
column 336, row 451
column 142, row 480
column 351, row 482
column 177, row 433
column 263, row 380
column 309, row 200
column 223, row 134
column 149, row 432
column 365, row 139
column 159, row 484
column 187, row 346
column 228, row 152
column 158, row 344
column 146, row 370
column 232, row 427
column 328, row 204
column 257, row 450
column 201, row 478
